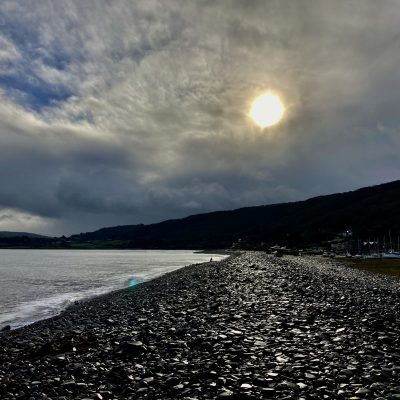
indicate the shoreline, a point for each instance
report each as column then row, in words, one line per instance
column 37, row 303
column 251, row 326
column 103, row 296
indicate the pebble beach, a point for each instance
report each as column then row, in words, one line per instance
column 249, row 327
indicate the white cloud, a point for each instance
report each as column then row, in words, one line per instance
column 9, row 55
column 14, row 220
column 8, row 52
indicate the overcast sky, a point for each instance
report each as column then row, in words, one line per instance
column 124, row 112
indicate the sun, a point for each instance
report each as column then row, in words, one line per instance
column 267, row 110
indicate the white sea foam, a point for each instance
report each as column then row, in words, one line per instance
column 31, row 311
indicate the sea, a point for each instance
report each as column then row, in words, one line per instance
column 38, row 284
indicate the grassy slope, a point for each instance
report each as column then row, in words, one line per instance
column 380, row 266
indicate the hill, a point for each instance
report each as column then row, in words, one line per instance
column 369, row 212
column 7, row 234
column 25, row 240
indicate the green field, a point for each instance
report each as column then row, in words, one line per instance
column 380, row 266
column 99, row 245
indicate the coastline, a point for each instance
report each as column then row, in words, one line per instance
column 250, row 326
column 42, row 289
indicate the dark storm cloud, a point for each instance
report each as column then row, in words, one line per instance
column 129, row 112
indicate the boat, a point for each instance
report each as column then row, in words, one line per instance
column 390, row 254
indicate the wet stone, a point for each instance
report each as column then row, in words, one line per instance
column 362, row 391
column 309, row 376
column 225, row 394
column 245, row 386
column 5, row 328
column 134, row 348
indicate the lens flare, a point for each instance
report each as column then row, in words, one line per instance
column 267, row 110
column 132, row 282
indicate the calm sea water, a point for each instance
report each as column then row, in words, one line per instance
column 37, row 284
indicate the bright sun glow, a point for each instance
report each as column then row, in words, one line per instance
column 267, row 110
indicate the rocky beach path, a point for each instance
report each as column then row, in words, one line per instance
column 249, row 327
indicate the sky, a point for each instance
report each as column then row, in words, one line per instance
column 118, row 112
